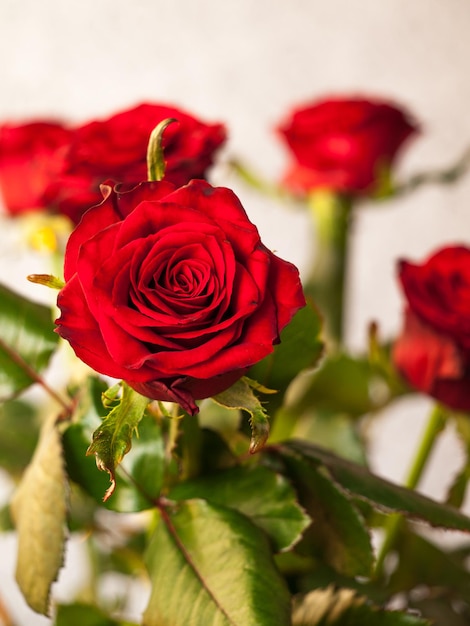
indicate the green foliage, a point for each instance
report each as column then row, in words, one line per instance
column 240, row 396
column 27, row 342
column 19, row 427
column 139, row 477
column 381, row 493
column 264, row 496
column 344, row 385
column 79, row 614
column 300, row 349
column 113, row 438
column 338, row 535
column 198, row 578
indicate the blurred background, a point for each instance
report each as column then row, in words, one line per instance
column 247, row 64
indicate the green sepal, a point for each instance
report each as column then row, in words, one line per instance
column 240, row 396
column 113, row 439
column 48, row 280
column 155, row 159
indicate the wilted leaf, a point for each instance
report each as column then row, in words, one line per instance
column 113, row 439
column 240, row 396
column 39, row 509
column 211, row 566
column 381, row 493
column 343, row 607
column 27, row 342
column 265, row 497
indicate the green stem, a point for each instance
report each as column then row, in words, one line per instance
column 326, row 283
column 434, row 427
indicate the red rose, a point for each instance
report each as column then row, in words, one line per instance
column 31, row 155
column 173, row 291
column 343, row 144
column 433, row 351
column 116, row 148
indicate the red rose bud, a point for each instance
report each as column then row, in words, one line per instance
column 171, row 290
column 116, row 148
column 31, row 156
column 433, row 351
column 344, row 145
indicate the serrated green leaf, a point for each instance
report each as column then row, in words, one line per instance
column 343, row 607
column 39, row 509
column 265, row 497
column 27, row 342
column 210, row 566
column 240, row 396
column 113, row 439
column 300, row 348
column 338, row 534
column 140, row 482
column 381, row 493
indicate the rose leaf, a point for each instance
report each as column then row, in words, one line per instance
column 300, row 348
column 202, row 559
column 112, row 440
column 39, row 509
column 343, row 607
column 380, row 493
column 240, row 396
column 338, row 533
column 265, row 497
column 27, row 342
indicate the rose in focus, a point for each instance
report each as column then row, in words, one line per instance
column 72, row 163
column 171, row 290
column 346, row 145
column 433, row 351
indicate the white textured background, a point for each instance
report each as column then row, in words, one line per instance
column 246, row 63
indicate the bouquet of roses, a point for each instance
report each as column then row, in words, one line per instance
column 218, row 402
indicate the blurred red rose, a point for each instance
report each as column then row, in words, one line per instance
column 343, row 144
column 31, row 155
column 116, row 148
column 61, row 169
column 433, row 351
column 171, row 290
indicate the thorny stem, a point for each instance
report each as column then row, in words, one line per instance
column 434, row 427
